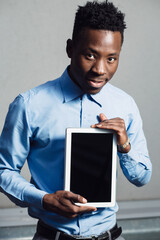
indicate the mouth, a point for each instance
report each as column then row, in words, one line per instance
column 96, row 83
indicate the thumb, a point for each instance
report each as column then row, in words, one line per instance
column 102, row 117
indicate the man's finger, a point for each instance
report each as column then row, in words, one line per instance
column 76, row 197
column 84, row 209
column 79, row 199
column 102, row 117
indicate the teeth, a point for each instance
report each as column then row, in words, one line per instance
column 96, row 81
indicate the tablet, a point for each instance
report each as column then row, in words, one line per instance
column 90, row 165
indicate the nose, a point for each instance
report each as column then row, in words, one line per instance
column 99, row 67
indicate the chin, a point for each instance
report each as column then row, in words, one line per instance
column 93, row 91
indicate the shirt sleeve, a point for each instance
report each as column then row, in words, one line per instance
column 136, row 164
column 14, row 149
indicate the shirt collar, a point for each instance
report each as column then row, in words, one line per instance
column 99, row 97
column 71, row 90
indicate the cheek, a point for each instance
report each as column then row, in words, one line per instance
column 86, row 65
column 83, row 66
column 113, row 69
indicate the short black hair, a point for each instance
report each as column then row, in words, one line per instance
column 98, row 15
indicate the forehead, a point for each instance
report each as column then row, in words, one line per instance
column 91, row 38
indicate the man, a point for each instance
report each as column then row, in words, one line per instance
column 82, row 97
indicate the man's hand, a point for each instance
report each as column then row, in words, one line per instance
column 116, row 124
column 63, row 203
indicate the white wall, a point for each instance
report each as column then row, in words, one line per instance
column 33, row 36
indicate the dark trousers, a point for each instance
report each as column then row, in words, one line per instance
column 45, row 232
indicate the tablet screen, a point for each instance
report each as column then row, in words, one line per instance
column 91, row 164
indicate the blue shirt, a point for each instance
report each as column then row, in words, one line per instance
column 35, row 130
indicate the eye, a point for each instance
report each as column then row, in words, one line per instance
column 111, row 60
column 90, row 56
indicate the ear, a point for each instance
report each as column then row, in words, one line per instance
column 69, row 48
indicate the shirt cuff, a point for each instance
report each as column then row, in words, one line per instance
column 34, row 197
column 136, row 167
column 134, row 157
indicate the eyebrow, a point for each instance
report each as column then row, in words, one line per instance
column 94, row 51
column 114, row 54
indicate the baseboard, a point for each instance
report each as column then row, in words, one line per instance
column 127, row 210
column 139, row 209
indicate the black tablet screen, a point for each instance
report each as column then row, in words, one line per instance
column 91, row 166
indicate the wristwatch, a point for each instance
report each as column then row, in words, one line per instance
column 122, row 147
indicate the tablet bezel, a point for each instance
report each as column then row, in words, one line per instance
column 67, row 176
